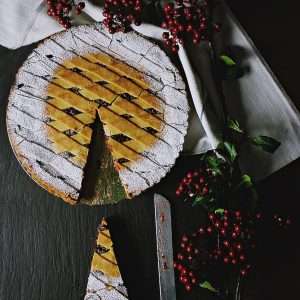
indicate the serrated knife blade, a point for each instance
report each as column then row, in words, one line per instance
column 163, row 225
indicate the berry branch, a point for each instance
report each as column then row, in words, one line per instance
column 61, row 10
column 120, row 14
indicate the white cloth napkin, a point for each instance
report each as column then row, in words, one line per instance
column 257, row 100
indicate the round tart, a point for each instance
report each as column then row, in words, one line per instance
column 94, row 118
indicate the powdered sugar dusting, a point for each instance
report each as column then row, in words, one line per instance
column 100, row 286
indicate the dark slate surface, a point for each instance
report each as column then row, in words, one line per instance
column 45, row 245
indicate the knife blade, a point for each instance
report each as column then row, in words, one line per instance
column 163, row 225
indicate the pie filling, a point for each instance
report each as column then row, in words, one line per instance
column 92, row 85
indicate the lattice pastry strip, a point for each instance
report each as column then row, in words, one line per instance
column 63, row 122
column 85, row 86
column 121, row 83
column 63, row 99
column 113, row 120
column 130, row 143
column 120, row 151
column 63, row 143
column 122, row 106
column 145, row 104
column 118, row 67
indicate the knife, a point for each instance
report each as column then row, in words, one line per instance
column 164, row 246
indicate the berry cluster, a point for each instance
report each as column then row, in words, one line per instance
column 61, row 9
column 195, row 183
column 120, row 14
column 185, row 259
column 186, row 18
column 226, row 242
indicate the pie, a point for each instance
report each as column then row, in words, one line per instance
column 94, row 117
column 105, row 281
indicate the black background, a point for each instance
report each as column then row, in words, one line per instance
column 45, row 244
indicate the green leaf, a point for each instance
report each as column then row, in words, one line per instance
column 229, row 68
column 219, row 211
column 199, row 200
column 245, row 182
column 214, row 163
column 228, row 61
column 229, row 150
column 234, row 125
column 207, row 285
column 266, row 143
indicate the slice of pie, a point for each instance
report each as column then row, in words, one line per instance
column 105, row 281
column 95, row 118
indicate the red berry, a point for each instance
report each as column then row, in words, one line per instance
column 164, row 25
column 239, row 246
column 242, row 257
column 168, row 7
column 185, row 238
column 243, row 272
column 183, row 279
column 217, row 224
column 67, row 25
column 166, row 35
column 205, row 190
column 195, row 174
column 209, row 229
column 231, row 254
column 188, row 249
column 188, row 287
column 226, row 243
column 180, row 256
column 237, row 229
column 175, row 49
column 189, row 28
column 226, row 260
column 197, row 187
column 233, row 261
column 223, row 231
column 81, row 5
column 189, row 175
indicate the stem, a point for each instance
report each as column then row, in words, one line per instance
column 238, row 289
column 214, row 59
